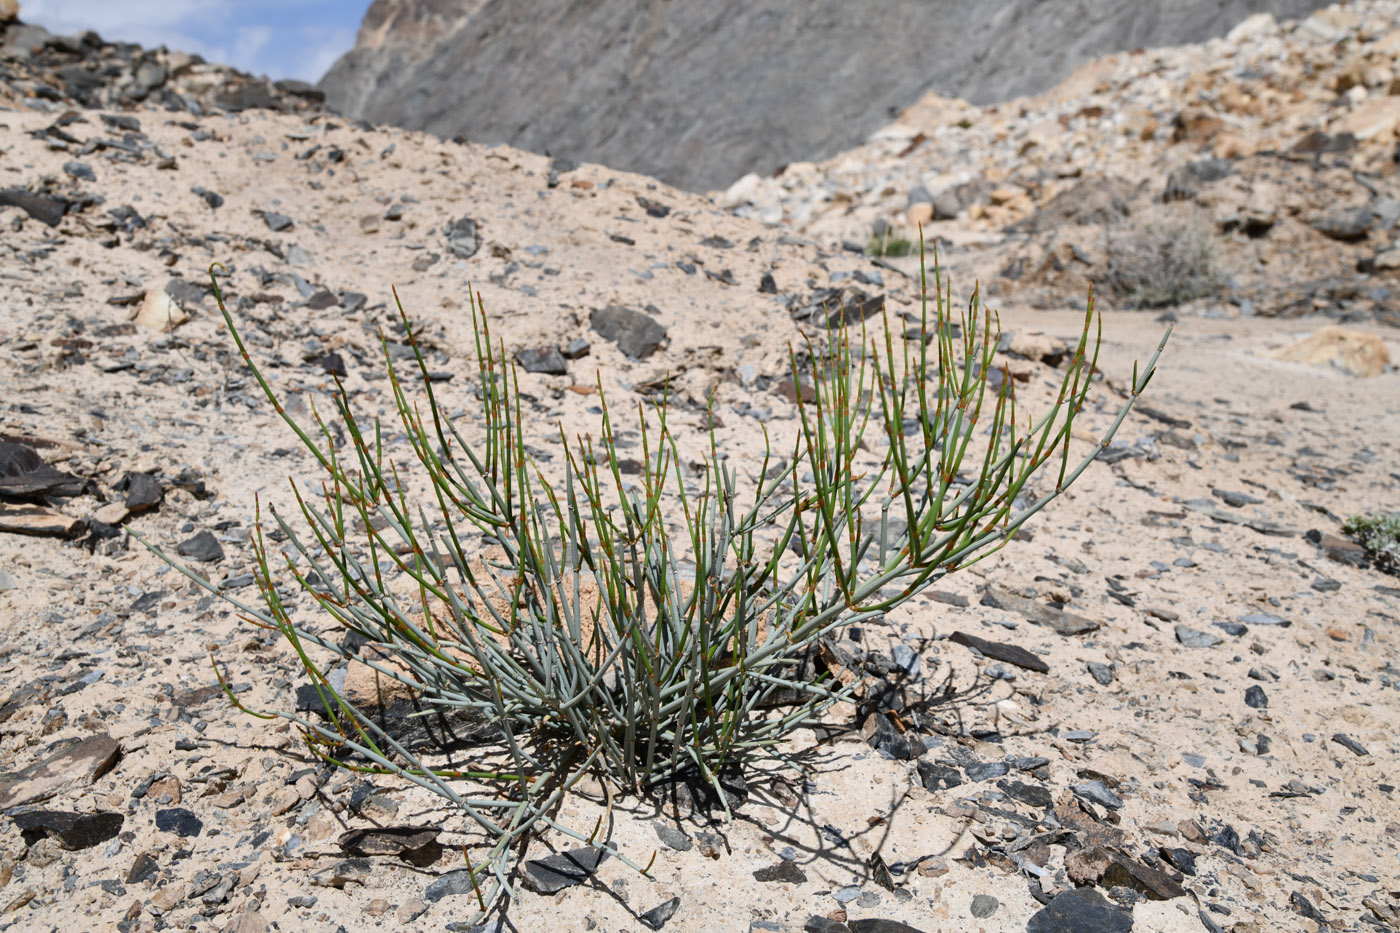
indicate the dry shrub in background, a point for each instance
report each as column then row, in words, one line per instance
column 1159, row 260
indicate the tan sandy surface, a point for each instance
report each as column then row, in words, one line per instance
column 1128, row 548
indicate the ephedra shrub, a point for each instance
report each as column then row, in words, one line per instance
column 1380, row 536
column 1161, row 261
column 600, row 641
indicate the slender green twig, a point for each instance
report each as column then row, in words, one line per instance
column 688, row 656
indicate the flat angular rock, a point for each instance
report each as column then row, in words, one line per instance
column 547, row 360
column 935, row 776
column 1234, row 499
column 46, row 210
column 672, row 837
column 1299, row 904
column 186, row 292
column 880, row 733
column 122, row 121
column 37, row 521
column 656, row 918
column 1195, row 638
column 211, row 198
column 1180, row 859
column 143, row 868
column 1030, row 794
column 346, row 871
column 72, row 830
column 1346, row 225
column 462, row 238
column 881, row 925
column 815, row 924
column 276, row 222
column 856, row 309
column 202, row 547
column 322, row 300
column 986, row 770
column 652, row 207
column 248, row 920
column 636, row 334
column 143, row 491
column 783, row 871
column 1057, row 620
column 452, row 884
column 1350, row 744
column 1007, row 654
column 1261, row 525
column 1098, row 792
column 388, row 840
column 333, row 364
column 1103, row 673
column 1339, row 549
column 1082, row 910
column 1265, row 618
column 1108, row 869
column 25, row 475
column 180, row 821
column 554, row 873
column 77, row 765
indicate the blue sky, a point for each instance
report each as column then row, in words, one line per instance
column 278, row 38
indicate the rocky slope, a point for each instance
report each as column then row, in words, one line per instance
column 1168, row 706
column 698, row 93
column 1275, row 148
column 38, row 68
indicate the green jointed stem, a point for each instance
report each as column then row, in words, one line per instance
column 683, row 670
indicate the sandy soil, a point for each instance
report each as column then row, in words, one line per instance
column 111, row 641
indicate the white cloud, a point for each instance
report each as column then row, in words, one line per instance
column 129, row 20
column 249, row 42
column 322, row 51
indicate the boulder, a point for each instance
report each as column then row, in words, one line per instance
column 1356, row 352
column 1373, row 118
column 160, row 312
column 1347, row 225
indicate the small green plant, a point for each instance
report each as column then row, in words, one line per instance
column 1160, row 261
column 1380, row 536
column 889, row 244
column 601, row 641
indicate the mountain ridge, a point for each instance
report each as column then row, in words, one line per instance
column 764, row 87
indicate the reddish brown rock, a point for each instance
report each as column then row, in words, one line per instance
column 74, row 766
